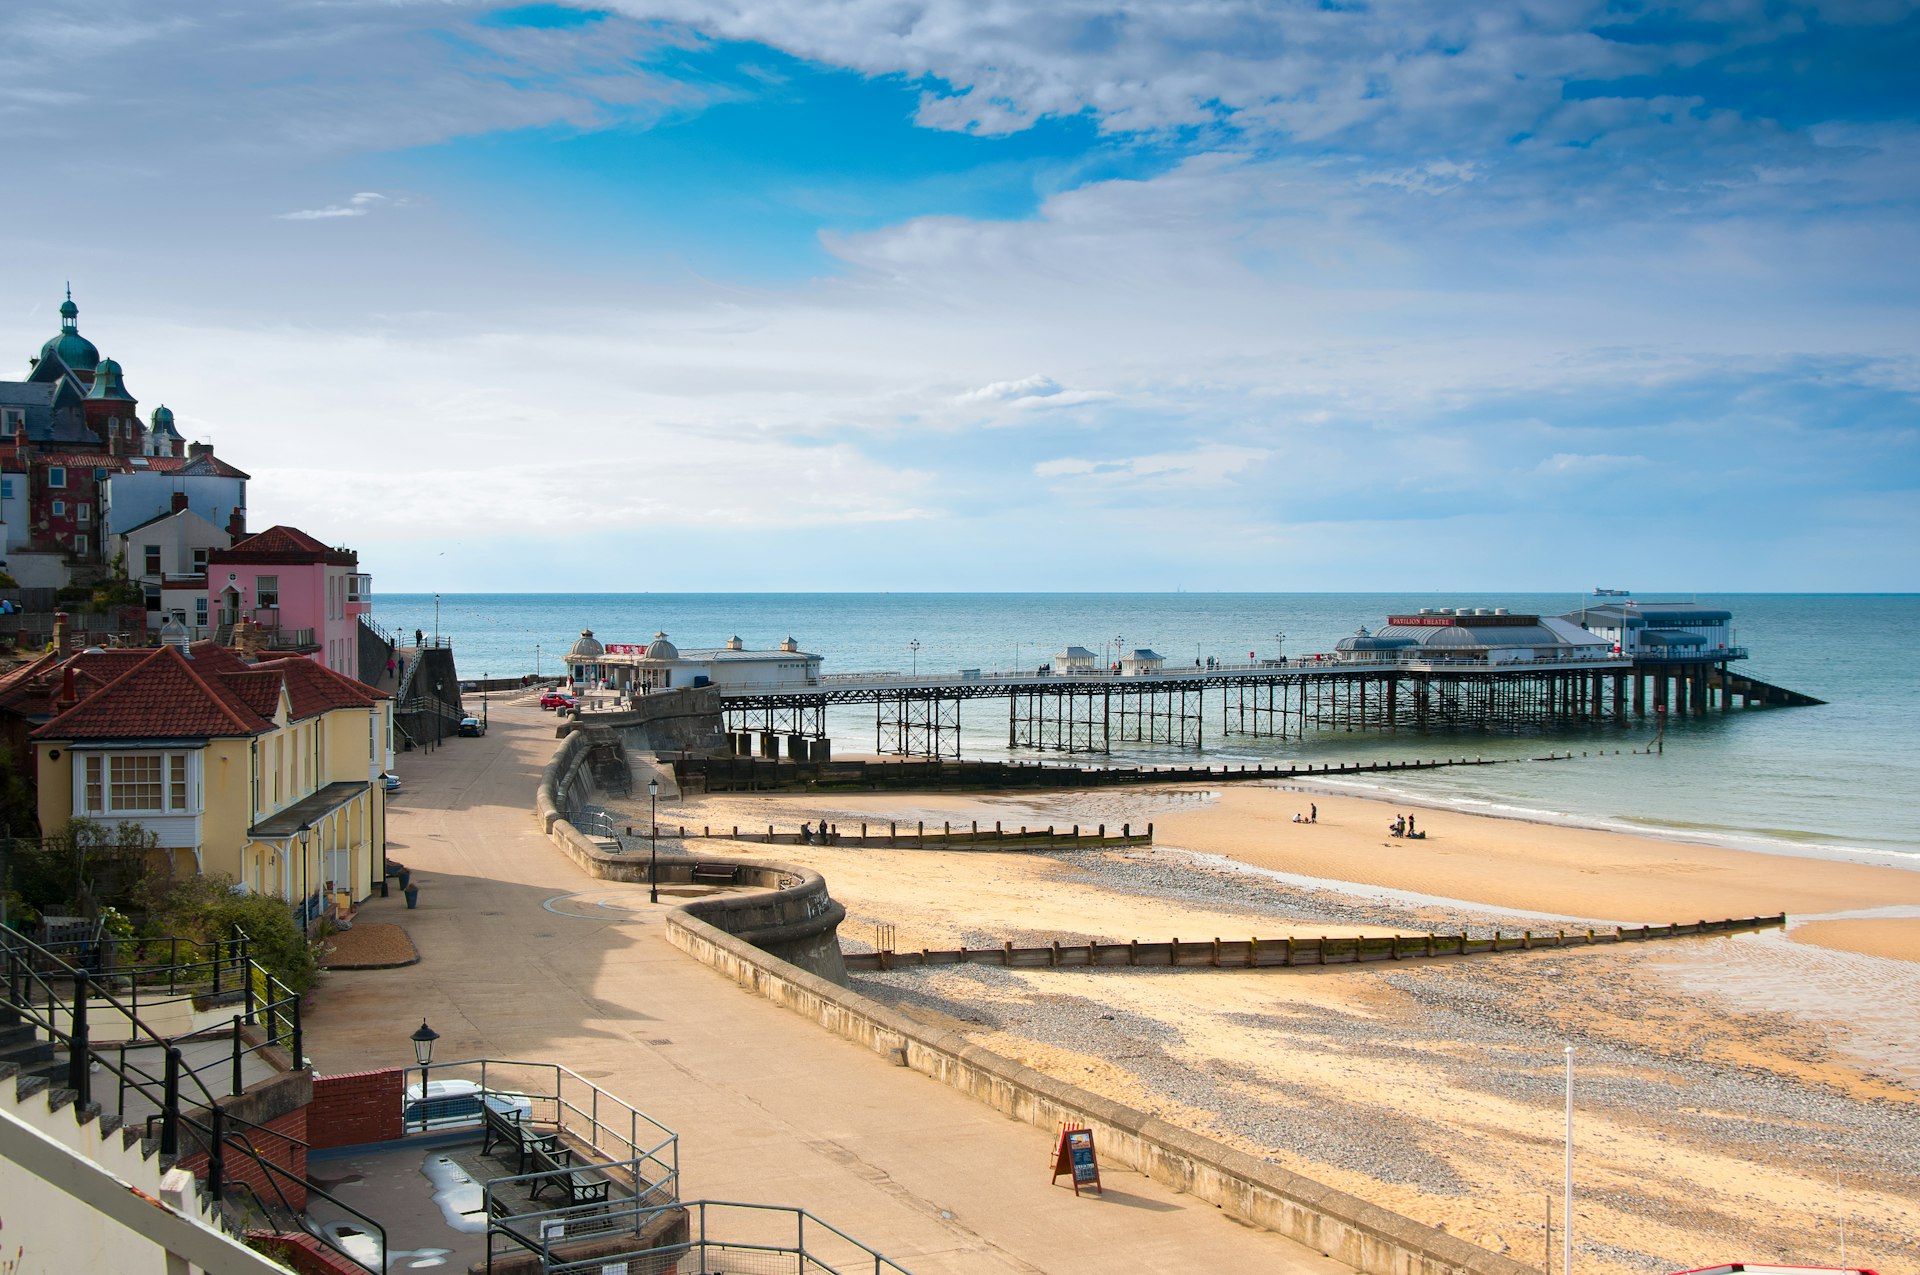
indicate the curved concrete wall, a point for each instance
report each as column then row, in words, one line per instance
column 791, row 915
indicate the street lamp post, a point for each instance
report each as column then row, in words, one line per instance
column 423, row 1054
column 1280, row 645
column 1118, row 645
column 536, row 661
column 436, row 619
column 653, row 833
column 914, row 646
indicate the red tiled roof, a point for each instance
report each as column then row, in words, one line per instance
column 315, row 688
column 210, row 655
column 283, row 544
column 164, row 696
column 258, row 689
column 33, row 691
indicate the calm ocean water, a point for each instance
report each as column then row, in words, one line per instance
column 1839, row 779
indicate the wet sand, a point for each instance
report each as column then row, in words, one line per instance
column 1733, row 1095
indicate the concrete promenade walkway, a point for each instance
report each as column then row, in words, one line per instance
column 520, row 959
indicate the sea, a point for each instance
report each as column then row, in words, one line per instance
column 1840, row 780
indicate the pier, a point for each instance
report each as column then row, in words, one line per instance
column 1091, row 712
column 1439, row 668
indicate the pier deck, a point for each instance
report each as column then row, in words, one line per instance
column 1091, row 711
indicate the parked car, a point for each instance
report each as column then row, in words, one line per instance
column 390, row 781
column 556, row 699
column 451, row 1104
column 471, row 727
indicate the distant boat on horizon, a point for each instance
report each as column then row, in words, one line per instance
column 1612, row 593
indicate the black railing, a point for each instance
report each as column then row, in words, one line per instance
column 184, row 1109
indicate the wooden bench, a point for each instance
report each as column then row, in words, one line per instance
column 583, row 1186
column 507, row 1129
column 715, row 874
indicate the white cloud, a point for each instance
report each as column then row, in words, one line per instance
column 362, row 203
column 1211, row 465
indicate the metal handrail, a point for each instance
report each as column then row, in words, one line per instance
column 19, row 953
column 601, row 1114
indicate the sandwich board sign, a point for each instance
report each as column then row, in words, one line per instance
column 1074, row 1156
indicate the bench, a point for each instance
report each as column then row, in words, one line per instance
column 506, row 1128
column 715, row 874
column 583, row 1186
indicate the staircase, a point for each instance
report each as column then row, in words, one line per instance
column 47, row 1051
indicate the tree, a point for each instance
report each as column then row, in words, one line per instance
column 83, row 866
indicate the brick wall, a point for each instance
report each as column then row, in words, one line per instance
column 241, row 1167
column 359, row 1106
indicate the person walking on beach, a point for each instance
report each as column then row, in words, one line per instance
column 1313, row 813
column 1409, row 825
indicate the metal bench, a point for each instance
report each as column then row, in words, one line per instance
column 506, row 1128
column 583, row 1186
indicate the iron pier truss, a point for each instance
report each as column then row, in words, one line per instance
column 920, row 717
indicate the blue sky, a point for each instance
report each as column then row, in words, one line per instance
column 1003, row 295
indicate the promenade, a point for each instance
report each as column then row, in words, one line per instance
column 523, row 957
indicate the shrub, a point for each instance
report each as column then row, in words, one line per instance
column 206, row 908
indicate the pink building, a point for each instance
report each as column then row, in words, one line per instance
column 302, row 596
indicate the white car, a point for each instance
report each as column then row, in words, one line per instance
column 454, row 1104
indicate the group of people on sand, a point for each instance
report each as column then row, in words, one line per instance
column 1312, row 815
column 807, row 833
column 1402, row 826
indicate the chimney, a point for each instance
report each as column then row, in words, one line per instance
column 60, row 637
column 237, row 523
column 196, row 450
column 68, row 696
column 179, row 502
column 246, row 640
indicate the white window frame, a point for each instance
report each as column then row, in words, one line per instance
column 177, row 780
column 56, row 476
column 59, row 509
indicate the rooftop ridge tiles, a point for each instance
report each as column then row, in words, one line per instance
column 102, row 702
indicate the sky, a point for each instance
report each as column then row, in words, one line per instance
column 702, row 295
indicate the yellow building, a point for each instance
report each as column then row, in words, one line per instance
column 270, row 773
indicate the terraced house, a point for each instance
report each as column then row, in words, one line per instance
column 267, row 772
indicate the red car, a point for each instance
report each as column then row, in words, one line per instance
column 556, row 699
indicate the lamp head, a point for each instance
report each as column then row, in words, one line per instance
column 423, row 1043
column 653, row 787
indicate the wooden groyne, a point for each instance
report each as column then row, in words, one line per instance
column 1292, row 952
column 783, row 774
column 912, row 837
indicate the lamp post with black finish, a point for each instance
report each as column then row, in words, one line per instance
column 653, row 840
column 423, row 1054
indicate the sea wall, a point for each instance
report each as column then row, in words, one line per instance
column 789, row 914
column 686, row 720
column 1345, row 1227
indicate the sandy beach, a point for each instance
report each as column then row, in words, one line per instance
column 1734, row 1096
